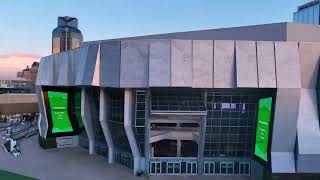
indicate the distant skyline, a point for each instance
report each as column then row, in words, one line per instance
column 26, row 25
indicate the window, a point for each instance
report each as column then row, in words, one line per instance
column 316, row 14
column 230, row 121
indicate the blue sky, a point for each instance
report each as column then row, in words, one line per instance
column 26, row 25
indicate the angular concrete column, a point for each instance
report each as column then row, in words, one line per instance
column 202, row 132
column 86, row 118
column 128, row 128
column 104, row 125
column 42, row 121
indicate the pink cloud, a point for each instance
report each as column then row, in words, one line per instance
column 12, row 62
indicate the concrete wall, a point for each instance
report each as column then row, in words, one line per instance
column 160, row 63
column 202, row 68
column 246, row 63
column 110, row 59
column 308, row 133
column 134, row 64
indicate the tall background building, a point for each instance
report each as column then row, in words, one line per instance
column 66, row 35
column 308, row 13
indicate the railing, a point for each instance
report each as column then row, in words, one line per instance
column 124, row 159
column 226, row 167
column 173, row 166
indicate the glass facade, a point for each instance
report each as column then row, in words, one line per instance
column 307, row 14
column 221, row 167
column 123, row 154
column 140, row 118
column 177, row 103
column 230, row 124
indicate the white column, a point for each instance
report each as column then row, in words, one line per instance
column 42, row 120
column 86, row 118
column 104, row 125
column 129, row 131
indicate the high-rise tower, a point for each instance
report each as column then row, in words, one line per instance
column 66, row 35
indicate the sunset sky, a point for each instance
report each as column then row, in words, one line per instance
column 26, row 25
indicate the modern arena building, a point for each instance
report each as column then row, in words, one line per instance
column 227, row 101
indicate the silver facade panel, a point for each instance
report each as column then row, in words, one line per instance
column 287, row 65
column 181, row 63
column 42, row 121
column 246, row 64
column 309, row 62
column 47, row 75
column 80, row 63
column 283, row 162
column 90, row 65
column 224, row 64
column 285, row 125
column 71, row 67
column 202, row 64
column 40, row 71
column 160, row 63
column 63, row 78
column 308, row 134
column 110, row 58
column 266, row 65
column 308, row 123
column 93, row 66
column 56, row 68
column 308, row 163
column 134, row 64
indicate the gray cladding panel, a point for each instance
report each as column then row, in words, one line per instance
column 90, row 64
column 266, row 65
column 56, row 68
column 285, row 119
column 47, row 77
column 224, row 64
column 308, row 163
column 134, row 63
column 40, row 71
column 287, row 65
column 80, row 63
column 246, row 64
column 110, row 58
column 63, row 69
column 181, row 63
column 283, row 162
column 160, row 62
column 202, row 69
column 309, row 62
column 308, row 123
column 71, row 67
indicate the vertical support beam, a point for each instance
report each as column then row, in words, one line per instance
column 202, row 132
column 178, row 143
column 42, row 121
column 147, row 132
column 103, row 115
column 86, row 118
column 128, row 128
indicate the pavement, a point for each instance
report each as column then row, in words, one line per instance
column 76, row 163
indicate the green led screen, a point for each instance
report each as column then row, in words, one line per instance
column 263, row 126
column 58, row 102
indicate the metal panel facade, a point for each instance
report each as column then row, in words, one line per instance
column 160, row 63
column 181, row 63
column 134, row 63
column 246, row 63
column 224, row 64
column 202, row 69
